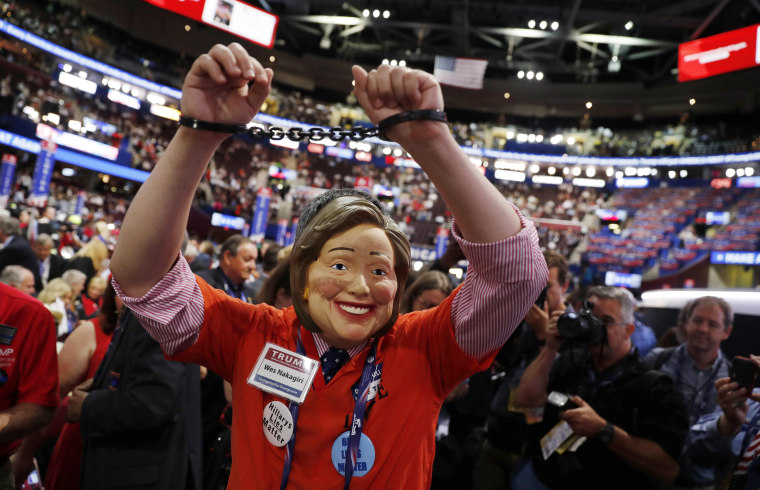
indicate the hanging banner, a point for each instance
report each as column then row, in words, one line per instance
column 81, row 198
column 291, row 236
column 260, row 214
column 43, row 172
column 282, row 228
column 7, row 172
column 721, row 53
column 441, row 241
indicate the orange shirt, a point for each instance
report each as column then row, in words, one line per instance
column 421, row 363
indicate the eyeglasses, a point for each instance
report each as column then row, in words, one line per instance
column 610, row 322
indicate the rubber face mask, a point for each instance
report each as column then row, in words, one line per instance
column 351, row 286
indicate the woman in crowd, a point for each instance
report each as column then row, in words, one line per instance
column 90, row 259
column 427, row 291
column 58, row 297
column 349, row 265
column 92, row 298
column 276, row 289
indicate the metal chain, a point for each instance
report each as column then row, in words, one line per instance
column 356, row 133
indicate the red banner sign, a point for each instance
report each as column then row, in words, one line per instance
column 722, row 53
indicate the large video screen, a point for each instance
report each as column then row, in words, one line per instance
column 238, row 18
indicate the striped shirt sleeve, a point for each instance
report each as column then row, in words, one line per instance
column 172, row 310
column 503, row 280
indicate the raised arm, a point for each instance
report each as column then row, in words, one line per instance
column 482, row 213
column 216, row 90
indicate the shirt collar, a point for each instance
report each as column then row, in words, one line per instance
column 718, row 358
column 322, row 346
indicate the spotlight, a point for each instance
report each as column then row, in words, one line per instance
column 531, row 23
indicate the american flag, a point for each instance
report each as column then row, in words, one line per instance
column 460, row 72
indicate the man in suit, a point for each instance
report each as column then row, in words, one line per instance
column 237, row 261
column 50, row 265
column 16, row 250
column 139, row 416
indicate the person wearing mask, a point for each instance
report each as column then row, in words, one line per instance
column 348, row 269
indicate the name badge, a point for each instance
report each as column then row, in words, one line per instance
column 284, row 373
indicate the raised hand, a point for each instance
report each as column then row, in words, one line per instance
column 389, row 90
column 216, row 88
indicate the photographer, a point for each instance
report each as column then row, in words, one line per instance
column 633, row 419
column 731, row 431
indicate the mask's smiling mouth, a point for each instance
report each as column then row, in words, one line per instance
column 354, row 309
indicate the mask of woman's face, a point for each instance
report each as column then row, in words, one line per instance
column 351, row 286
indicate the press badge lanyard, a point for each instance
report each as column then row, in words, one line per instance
column 606, row 381
column 230, row 289
column 706, row 396
column 357, row 419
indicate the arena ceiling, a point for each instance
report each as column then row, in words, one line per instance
column 621, row 53
column 643, row 35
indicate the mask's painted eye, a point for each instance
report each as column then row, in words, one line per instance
column 379, row 272
column 339, row 267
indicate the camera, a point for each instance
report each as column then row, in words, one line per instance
column 541, row 298
column 745, row 372
column 581, row 326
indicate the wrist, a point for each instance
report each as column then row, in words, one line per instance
column 199, row 136
column 606, row 433
column 435, row 135
column 726, row 427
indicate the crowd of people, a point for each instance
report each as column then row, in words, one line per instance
column 629, row 425
column 469, row 383
column 74, row 29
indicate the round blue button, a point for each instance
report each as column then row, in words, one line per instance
column 365, row 457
